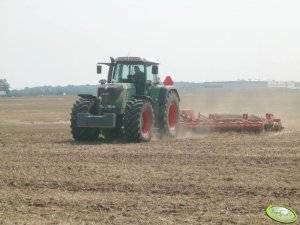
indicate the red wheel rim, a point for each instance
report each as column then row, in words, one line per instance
column 172, row 116
column 146, row 122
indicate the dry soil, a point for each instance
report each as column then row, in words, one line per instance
column 211, row 178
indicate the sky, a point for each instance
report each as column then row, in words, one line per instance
column 59, row 42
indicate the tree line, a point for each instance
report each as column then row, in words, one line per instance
column 55, row 90
column 67, row 90
column 4, row 86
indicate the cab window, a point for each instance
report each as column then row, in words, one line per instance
column 123, row 70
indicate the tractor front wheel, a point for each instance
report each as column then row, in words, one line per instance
column 83, row 105
column 138, row 120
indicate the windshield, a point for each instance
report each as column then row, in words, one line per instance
column 123, row 70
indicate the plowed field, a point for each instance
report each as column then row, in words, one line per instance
column 212, row 178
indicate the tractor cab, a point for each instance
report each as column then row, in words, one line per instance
column 141, row 72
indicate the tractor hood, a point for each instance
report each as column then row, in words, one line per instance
column 109, row 93
column 115, row 95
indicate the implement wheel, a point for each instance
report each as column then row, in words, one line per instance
column 138, row 120
column 83, row 105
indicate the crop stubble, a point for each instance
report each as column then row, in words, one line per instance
column 228, row 178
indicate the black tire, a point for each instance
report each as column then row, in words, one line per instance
column 169, row 116
column 138, row 120
column 83, row 105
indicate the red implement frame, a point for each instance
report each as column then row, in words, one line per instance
column 223, row 122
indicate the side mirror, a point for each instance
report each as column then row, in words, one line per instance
column 155, row 69
column 99, row 69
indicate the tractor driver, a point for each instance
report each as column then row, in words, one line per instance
column 139, row 76
column 139, row 80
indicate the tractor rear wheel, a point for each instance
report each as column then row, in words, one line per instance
column 138, row 120
column 83, row 105
column 169, row 116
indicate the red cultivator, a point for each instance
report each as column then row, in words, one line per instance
column 228, row 122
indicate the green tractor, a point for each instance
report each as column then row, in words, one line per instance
column 132, row 103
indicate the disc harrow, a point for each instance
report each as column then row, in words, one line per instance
column 229, row 122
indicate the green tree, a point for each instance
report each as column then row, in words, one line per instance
column 4, row 85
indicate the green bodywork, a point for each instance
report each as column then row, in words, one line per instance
column 129, row 92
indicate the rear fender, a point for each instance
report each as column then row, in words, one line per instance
column 88, row 96
column 144, row 97
column 175, row 90
column 163, row 93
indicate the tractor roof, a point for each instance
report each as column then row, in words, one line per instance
column 136, row 59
